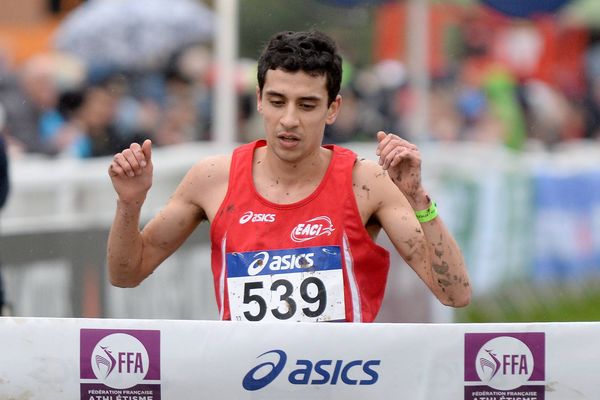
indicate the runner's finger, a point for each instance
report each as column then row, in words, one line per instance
column 122, row 162
column 131, row 158
column 401, row 154
column 115, row 170
column 147, row 150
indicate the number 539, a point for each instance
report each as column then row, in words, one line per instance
column 312, row 291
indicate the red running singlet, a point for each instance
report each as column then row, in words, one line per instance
column 312, row 260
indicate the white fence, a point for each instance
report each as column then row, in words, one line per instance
column 93, row 359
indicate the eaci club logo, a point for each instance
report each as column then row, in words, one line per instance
column 117, row 364
column 504, row 365
column 310, row 372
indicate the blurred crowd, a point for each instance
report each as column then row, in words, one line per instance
column 57, row 106
column 520, row 83
column 511, row 82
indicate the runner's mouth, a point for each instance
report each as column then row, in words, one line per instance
column 288, row 138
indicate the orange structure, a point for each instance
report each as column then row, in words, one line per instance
column 27, row 26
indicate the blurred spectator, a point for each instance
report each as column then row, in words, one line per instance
column 194, row 62
column 357, row 121
column 67, row 139
column 4, row 187
column 551, row 117
column 347, row 125
column 591, row 101
column 445, row 121
column 27, row 99
column 89, row 127
column 180, row 120
column 592, row 110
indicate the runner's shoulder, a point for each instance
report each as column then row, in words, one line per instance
column 368, row 171
column 212, row 169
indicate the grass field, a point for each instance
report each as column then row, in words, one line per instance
column 524, row 302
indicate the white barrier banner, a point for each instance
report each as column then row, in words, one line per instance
column 104, row 359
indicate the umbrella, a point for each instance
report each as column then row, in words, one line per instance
column 133, row 34
column 525, row 8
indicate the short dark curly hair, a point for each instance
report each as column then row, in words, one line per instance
column 312, row 52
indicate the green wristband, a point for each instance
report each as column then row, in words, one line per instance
column 428, row 214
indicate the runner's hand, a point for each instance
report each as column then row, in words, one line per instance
column 131, row 172
column 402, row 160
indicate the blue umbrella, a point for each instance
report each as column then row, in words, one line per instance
column 525, row 8
column 133, row 34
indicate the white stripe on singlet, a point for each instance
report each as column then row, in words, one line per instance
column 356, row 310
column 222, row 277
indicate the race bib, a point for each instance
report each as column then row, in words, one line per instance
column 303, row 284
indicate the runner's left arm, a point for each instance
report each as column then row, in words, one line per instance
column 428, row 247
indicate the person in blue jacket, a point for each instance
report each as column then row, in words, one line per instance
column 4, row 187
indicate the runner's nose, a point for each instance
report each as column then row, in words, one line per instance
column 289, row 118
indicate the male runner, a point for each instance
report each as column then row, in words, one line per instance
column 293, row 222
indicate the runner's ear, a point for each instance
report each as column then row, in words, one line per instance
column 258, row 100
column 334, row 109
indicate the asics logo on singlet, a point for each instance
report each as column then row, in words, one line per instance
column 280, row 262
column 250, row 216
column 312, row 228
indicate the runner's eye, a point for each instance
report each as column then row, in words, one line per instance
column 307, row 106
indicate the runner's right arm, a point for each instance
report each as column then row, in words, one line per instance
column 133, row 254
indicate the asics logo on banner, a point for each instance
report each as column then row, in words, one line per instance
column 250, row 216
column 312, row 372
column 312, row 228
column 280, row 262
column 273, row 371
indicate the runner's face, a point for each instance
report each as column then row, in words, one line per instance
column 295, row 111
